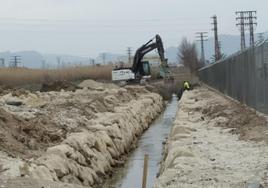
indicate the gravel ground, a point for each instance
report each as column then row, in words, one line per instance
column 215, row 142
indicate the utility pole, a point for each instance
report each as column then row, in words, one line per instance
column 43, row 64
column 247, row 18
column 92, row 62
column 216, row 39
column 14, row 61
column 241, row 22
column 202, row 36
column 251, row 23
column 2, row 62
column 58, row 62
column 129, row 54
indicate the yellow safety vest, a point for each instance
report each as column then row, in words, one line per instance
column 186, row 85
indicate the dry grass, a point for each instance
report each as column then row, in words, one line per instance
column 22, row 76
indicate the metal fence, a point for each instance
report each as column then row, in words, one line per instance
column 242, row 76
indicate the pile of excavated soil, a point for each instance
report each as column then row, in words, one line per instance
column 241, row 120
column 26, row 138
column 215, row 142
column 58, row 86
column 91, row 84
column 75, row 137
column 35, row 183
column 14, row 91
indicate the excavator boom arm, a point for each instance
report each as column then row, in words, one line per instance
column 146, row 48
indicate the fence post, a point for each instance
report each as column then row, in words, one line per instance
column 145, row 170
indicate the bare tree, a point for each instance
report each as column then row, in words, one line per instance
column 187, row 55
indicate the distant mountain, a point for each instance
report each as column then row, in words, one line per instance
column 32, row 59
column 171, row 54
column 229, row 44
column 110, row 57
column 55, row 60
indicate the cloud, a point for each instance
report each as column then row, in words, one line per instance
column 92, row 26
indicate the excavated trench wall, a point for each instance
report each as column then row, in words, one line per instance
column 214, row 142
column 102, row 125
column 85, row 157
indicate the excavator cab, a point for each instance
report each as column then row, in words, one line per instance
column 144, row 71
column 145, row 68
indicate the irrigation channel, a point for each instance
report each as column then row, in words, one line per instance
column 130, row 175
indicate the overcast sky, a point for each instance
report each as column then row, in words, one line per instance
column 89, row 27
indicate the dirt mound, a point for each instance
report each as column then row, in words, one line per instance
column 34, row 183
column 78, row 136
column 91, row 84
column 213, row 144
column 4, row 90
column 25, row 138
column 241, row 119
column 58, row 86
column 14, row 91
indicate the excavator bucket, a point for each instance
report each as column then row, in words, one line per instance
column 165, row 72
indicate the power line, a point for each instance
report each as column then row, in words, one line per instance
column 251, row 23
column 240, row 17
column 102, row 20
column 202, row 37
column 92, row 62
column 246, row 18
column 216, row 39
column 58, row 62
column 105, row 25
column 2, row 62
column 14, row 61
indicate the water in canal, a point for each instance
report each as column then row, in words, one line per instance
column 130, row 176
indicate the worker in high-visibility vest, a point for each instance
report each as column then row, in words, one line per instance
column 186, row 85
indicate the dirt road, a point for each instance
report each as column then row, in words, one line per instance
column 215, row 142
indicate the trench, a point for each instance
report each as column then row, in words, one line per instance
column 151, row 143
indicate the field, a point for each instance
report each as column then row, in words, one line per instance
column 22, row 76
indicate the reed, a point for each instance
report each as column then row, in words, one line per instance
column 22, row 76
